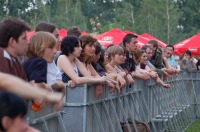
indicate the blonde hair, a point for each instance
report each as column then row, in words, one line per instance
column 38, row 42
column 113, row 50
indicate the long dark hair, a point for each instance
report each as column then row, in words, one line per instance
column 101, row 59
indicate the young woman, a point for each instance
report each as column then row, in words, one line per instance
column 86, row 59
column 141, row 59
column 70, row 66
column 41, row 51
column 54, row 78
column 116, row 56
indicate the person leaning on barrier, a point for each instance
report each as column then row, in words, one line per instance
column 130, row 45
column 86, row 59
column 156, row 58
column 140, row 59
column 171, row 59
column 149, row 51
column 70, row 66
column 54, row 78
column 109, row 80
column 41, row 51
column 12, row 113
column 103, row 61
column 167, row 53
column 117, row 56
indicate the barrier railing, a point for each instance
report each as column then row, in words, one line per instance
column 161, row 109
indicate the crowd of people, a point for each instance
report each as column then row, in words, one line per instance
column 42, row 68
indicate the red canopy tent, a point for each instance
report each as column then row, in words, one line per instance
column 148, row 36
column 113, row 36
column 29, row 34
column 192, row 44
column 62, row 33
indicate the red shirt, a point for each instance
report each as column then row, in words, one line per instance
column 11, row 65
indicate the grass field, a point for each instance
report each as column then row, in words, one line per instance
column 194, row 127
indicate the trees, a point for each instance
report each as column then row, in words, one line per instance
column 168, row 20
column 17, row 8
column 189, row 22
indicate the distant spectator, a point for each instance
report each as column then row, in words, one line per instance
column 170, row 69
column 171, row 59
column 156, row 58
column 187, row 62
column 149, row 53
column 198, row 61
column 144, row 69
column 74, row 31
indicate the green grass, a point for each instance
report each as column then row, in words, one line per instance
column 194, row 127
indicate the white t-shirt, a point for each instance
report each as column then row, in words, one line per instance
column 53, row 73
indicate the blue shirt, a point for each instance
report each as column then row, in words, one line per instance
column 171, row 61
column 36, row 69
column 148, row 63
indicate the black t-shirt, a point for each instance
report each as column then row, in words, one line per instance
column 99, row 69
column 198, row 64
column 129, row 64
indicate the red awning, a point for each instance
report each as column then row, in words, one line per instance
column 192, row 44
column 114, row 36
column 148, row 36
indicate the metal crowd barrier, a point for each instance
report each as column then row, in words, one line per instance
column 168, row 110
column 50, row 123
column 85, row 113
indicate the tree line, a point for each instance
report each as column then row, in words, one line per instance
column 169, row 20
